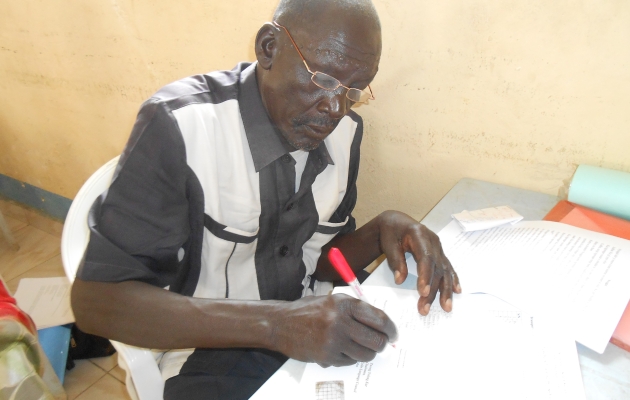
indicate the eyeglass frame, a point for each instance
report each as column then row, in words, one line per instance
column 339, row 84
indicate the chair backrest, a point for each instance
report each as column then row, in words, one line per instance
column 76, row 233
column 144, row 381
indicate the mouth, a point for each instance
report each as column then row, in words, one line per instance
column 320, row 131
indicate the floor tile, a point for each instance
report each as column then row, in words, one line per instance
column 36, row 246
column 13, row 210
column 39, row 257
column 47, row 269
column 14, row 224
column 118, row 373
column 81, row 377
column 46, row 224
column 106, row 363
column 106, row 388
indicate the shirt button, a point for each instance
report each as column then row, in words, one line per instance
column 284, row 250
column 286, row 158
column 290, row 206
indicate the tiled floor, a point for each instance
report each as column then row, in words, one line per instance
column 39, row 256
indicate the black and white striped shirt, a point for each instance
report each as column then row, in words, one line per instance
column 204, row 202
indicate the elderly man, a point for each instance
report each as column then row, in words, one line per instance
column 229, row 193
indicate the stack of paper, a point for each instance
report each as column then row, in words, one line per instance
column 580, row 277
column 485, row 348
column 582, row 217
column 562, row 284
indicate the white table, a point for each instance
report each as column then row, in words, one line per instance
column 606, row 376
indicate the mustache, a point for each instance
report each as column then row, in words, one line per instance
column 317, row 121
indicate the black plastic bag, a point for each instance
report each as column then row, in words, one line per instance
column 84, row 345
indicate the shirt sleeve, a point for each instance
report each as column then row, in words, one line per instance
column 138, row 226
column 350, row 198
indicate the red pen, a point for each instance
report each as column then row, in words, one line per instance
column 341, row 265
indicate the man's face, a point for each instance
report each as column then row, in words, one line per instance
column 304, row 113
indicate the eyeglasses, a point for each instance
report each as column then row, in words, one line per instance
column 329, row 83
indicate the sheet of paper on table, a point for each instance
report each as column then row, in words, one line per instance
column 485, row 348
column 46, row 300
column 542, row 267
column 486, row 218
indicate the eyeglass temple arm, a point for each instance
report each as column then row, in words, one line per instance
column 372, row 97
column 277, row 25
column 294, row 45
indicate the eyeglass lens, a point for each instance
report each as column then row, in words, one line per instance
column 327, row 82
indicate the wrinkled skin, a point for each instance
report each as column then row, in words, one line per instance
column 344, row 48
column 336, row 330
column 330, row 330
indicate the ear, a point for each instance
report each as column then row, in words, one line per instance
column 266, row 45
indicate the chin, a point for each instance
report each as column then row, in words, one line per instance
column 302, row 139
column 305, row 146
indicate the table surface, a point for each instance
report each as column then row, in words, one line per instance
column 605, row 376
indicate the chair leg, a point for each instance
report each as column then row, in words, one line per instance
column 7, row 233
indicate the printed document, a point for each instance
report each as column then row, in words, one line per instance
column 46, row 300
column 543, row 267
column 485, row 348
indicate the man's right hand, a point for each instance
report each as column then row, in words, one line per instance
column 332, row 330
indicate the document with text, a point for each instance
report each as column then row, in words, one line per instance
column 46, row 300
column 485, row 348
column 578, row 276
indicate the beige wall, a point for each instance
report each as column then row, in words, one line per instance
column 515, row 92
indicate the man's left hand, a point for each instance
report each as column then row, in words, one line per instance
column 399, row 233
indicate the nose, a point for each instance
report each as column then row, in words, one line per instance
column 334, row 103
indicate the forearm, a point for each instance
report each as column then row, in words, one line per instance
column 360, row 248
column 147, row 316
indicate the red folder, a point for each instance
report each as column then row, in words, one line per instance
column 586, row 218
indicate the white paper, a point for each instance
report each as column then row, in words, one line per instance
column 486, row 218
column 46, row 300
column 579, row 276
column 485, row 348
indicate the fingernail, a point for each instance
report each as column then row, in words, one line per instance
column 459, row 288
column 448, row 305
column 396, row 276
column 427, row 307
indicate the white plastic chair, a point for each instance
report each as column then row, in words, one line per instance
column 144, row 381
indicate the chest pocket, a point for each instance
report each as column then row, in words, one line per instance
column 227, row 233
column 312, row 249
column 228, row 262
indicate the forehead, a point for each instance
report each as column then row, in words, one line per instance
column 341, row 54
column 336, row 44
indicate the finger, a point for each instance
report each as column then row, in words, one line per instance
column 425, row 273
column 457, row 288
column 448, row 268
column 358, row 352
column 395, row 257
column 446, row 284
column 340, row 360
column 378, row 321
column 446, row 292
column 343, row 360
column 424, row 304
column 424, row 252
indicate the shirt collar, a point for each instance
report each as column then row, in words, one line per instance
column 263, row 139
